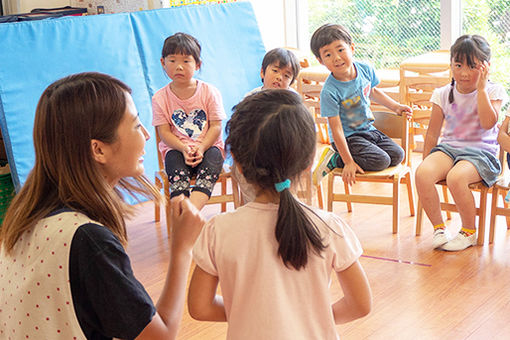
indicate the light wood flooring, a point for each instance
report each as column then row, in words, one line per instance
column 418, row 293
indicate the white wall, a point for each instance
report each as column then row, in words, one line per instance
column 271, row 20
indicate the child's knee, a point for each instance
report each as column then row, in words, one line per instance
column 455, row 181
column 397, row 157
column 378, row 162
column 424, row 175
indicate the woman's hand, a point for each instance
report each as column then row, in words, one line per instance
column 187, row 222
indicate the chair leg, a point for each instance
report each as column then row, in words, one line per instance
column 320, row 198
column 412, row 146
column 396, row 204
column 419, row 217
column 492, row 222
column 505, row 205
column 410, row 192
column 223, row 193
column 157, row 211
column 481, row 217
column 348, row 192
column 331, row 180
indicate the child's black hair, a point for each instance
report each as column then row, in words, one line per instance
column 284, row 58
column 466, row 49
column 182, row 43
column 326, row 34
column 272, row 137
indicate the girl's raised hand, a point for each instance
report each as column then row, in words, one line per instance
column 483, row 68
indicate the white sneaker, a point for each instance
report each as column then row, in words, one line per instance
column 460, row 242
column 441, row 236
column 322, row 169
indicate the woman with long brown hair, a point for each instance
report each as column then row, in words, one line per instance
column 64, row 272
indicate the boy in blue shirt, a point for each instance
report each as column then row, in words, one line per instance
column 345, row 100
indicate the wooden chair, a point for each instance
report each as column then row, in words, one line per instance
column 419, row 76
column 501, row 188
column 481, row 209
column 390, row 84
column 161, row 181
column 396, row 127
column 309, row 85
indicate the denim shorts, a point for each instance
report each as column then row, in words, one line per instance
column 486, row 164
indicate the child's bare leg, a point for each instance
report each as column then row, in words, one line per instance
column 433, row 169
column 458, row 180
column 198, row 198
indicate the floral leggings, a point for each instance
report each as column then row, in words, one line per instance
column 180, row 174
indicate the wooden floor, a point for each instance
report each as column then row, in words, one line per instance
column 419, row 293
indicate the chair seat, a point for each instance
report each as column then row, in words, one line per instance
column 503, row 181
column 392, row 171
column 396, row 127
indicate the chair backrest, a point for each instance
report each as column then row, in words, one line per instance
column 309, row 85
column 389, row 82
column 416, row 89
column 396, row 127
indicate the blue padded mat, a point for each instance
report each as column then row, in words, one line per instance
column 35, row 54
column 127, row 46
column 232, row 49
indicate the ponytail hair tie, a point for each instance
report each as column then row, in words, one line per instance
column 282, row 185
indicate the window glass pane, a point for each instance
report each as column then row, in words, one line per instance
column 384, row 32
column 491, row 19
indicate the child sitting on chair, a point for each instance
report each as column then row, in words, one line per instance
column 345, row 100
column 280, row 68
column 469, row 108
column 187, row 114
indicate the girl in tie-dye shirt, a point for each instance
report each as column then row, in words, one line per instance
column 469, row 108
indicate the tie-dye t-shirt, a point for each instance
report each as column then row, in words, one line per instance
column 462, row 126
column 188, row 118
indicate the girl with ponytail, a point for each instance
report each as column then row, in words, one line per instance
column 273, row 257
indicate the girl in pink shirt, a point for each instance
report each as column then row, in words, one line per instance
column 187, row 114
column 274, row 256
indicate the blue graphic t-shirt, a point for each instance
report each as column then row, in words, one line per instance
column 350, row 99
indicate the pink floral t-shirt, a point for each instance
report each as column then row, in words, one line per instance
column 188, row 118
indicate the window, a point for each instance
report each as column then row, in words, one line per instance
column 384, row 32
column 491, row 19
